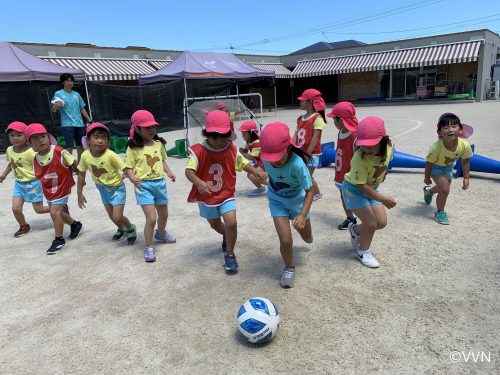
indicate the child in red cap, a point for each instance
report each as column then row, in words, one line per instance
column 26, row 187
column 309, row 129
column 290, row 191
column 53, row 167
column 440, row 161
column 211, row 168
column 146, row 166
column 360, row 187
column 344, row 119
column 251, row 151
column 106, row 168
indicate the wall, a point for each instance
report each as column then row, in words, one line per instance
column 356, row 85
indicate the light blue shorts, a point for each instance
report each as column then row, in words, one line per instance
column 447, row 171
column 112, row 195
column 355, row 199
column 313, row 162
column 286, row 206
column 152, row 192
column 30, row 191
column 59, row 201
column 215, row 212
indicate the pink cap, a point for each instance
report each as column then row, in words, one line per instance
column 219, row 122
column 33, row 129
column 274, row 141
column 95, row 125
column 370, row 131
column 347, row 112
column 466, row 131
column 18, row 126
column 315, row 96
column 221, row 105
column 143, row 119
column 248, row 126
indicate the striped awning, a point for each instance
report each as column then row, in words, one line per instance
column 101, row 69
column 280, row 70
column 397, row 59
column 159, row 64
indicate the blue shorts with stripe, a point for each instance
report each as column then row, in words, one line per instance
column 152, row 192
column 112, row 195
column 29, row 191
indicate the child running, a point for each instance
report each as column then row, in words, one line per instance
column 309, row 129
column 251, row 151
column 290, row 191
column 145, row 162
column 211, row 168
column 344, row 119
column 441, row 159
column 53, row 165
column 26, row 187
column 106, row 168
column 360, row 186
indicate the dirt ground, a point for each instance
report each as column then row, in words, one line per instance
column 98, row 308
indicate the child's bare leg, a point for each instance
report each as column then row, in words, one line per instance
column 231, row 229
column 442, row 188
column 56, row 214
column 254, row 180
column 282, row 225
column 119, row 219
column 17, row 210
column 348, row 212
column 306, row 232
column 373, row 218
column 162, row 211
column 315, row 184
column 66, row 218
column 149, row 227
column 40, row 208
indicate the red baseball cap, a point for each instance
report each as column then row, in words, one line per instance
column 370, row 131
column 36, row 128
column 18, row 126
column 248, row 126
column 219, row 122
column 274, row 141
column 315, row 96
column 143, row 119
column 347, row 112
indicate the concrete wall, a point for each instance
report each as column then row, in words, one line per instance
column 356, row 85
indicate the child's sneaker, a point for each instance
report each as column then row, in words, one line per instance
column 345, row 223
column 258, row 191
column 23, row 229
column 224, row 244
column 56, row 246
column 354, row 236
column 165, row 238
column 120, row 233
column 287, row 277
column 441, row 217
column 76, row 229
column 131, row 236
column 317, row 197
column 427, row 195
column 149, row 254
column 366, row 258
column 230, row 263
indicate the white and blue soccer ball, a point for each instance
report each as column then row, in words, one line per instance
column 58, row 101
column 258, row 320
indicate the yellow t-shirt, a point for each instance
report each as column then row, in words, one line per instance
column 439, row 155
column 319, row 123
column 68, row 159
column 147, row 162
column 241, row 161
column 368, row 169
column 105, row 169
column 21, row 163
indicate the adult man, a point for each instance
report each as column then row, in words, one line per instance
column 72, row 108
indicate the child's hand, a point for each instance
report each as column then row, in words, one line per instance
column 137, row 182
column 171, row 176
column 389, row 202
column 466, row 184
column 262, row 176
column 427, row 181
column 203, row 188
column 124, row 176
column 2, row 177
column 81, row 200
column 299, row 222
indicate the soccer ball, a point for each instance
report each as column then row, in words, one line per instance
column 258, row 320
column 58, row 100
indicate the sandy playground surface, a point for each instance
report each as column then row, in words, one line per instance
column 97, row 307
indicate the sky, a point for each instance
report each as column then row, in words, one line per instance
column 253, row 27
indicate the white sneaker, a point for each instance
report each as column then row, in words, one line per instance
column 317, row 197
column 258, row 191
column 366, row 258
column 287, row 277
column 354, row 236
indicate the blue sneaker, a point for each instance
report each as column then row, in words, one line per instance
column 149, row 254
column 165, row 237
column 230, row 263
column 441, row 217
